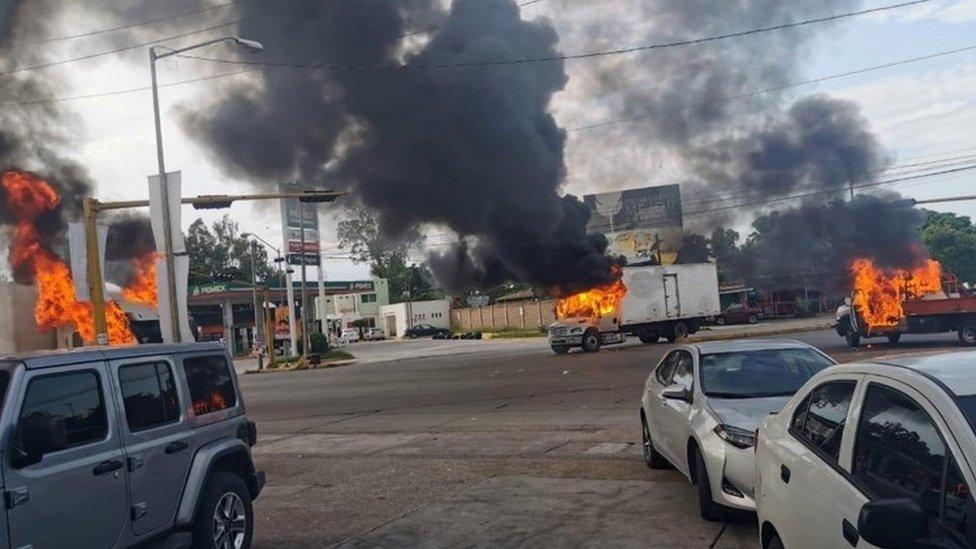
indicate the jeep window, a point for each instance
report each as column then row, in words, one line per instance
column 74, row 400
column 149, row 395
column 210, row 382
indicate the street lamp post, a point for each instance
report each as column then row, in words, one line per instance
column 168, row 255
column 254, row 291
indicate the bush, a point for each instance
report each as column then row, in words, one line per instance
column 319, row 343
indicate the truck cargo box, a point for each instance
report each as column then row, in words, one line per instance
column 670, row 292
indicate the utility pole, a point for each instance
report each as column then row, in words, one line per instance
column 268, row 328
column 96, row 288
column 851, row 184
column 258, row 315
column 305, row 308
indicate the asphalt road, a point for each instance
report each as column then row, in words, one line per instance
column 511, row 446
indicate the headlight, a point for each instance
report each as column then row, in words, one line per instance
column 576, row 331
column 740, row 438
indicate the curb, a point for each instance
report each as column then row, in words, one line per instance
column 323, row 366
column 762, row 333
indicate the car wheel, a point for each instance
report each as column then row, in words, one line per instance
column 853, row 338
column 720, row 320
column 967, row 334
column 753, row 319
column 560, row 349
column 894, row 338
column 774, row 543
column 709, row 510
column 652, row 458
column 224, row 518
column 591, row 341
column 678, row 332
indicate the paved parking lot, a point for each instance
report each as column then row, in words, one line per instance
column 506, row 446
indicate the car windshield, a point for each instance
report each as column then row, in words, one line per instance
column 967, row 404
column 760, row 373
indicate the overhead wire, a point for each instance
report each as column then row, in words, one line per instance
column 564, row 57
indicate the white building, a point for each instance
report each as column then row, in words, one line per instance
column 397, row 318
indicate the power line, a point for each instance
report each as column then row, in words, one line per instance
column 127, row 26
column 116, row 50
column 830, row 191
column 577, row 129
column 551, row 58
column 747, row 95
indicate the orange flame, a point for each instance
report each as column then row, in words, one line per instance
column 597, row 302
column 879, row 293
column 142, row 289
column 213, row 403
column 29, row 197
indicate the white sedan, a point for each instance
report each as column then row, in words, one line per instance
column 702, row 403
column 872, row 455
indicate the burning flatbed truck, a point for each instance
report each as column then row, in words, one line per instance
column 924, row 300
column 647, row 302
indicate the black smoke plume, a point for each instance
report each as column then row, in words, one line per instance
column 129, row 238
column 32, row 139
column 475, row 150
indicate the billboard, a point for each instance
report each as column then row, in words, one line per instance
column 641, row 224
column 294, row 217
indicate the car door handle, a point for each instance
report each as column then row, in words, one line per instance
column 784, row 474
column 107, row 466
column 177, row 446
column 850, row 533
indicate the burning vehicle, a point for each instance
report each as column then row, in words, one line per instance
column 649, row 302
column 891, row 302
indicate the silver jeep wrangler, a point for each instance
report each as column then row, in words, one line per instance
column 115, row 447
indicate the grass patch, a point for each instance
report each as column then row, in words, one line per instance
column 291, row 363
column 518, row 334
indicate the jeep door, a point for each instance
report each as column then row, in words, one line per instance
column 156, row 437
column 75, row 496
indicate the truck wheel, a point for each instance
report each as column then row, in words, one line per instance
column 853, row 338
column 967, row 334
column 224, row 517
column 560, row 349
column 720, row 320
column 648, row 337
column 591, row 341
column 678, row 332
column 894, row 338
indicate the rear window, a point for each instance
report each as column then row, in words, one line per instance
column 760, row 373
column 211, row 384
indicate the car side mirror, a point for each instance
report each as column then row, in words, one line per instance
column 676, row 392
column 35, row 436
column 892, row 523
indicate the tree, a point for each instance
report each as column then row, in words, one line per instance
column 951, row 240
column 694, row 249
column 387, row 259
column 220, row 252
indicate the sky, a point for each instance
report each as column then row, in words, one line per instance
column 920, row 112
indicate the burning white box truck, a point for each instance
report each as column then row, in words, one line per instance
column 650, row 302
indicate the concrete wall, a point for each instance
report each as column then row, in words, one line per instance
column 528, row 315
column 18, row 332
column 393, row 318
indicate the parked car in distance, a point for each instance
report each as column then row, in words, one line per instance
column 738, row 313
column 118, row 447
column 426, row 330
column 349, row 335
column 701, row 405
column 872, row 455
column 374, row 334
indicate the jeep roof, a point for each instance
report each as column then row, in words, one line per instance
column 62, row 357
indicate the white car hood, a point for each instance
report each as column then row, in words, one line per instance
column 745, row 413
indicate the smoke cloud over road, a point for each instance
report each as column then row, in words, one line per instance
column 474, row 149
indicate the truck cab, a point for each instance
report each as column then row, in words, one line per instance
column 589, row 333
column 117, row 447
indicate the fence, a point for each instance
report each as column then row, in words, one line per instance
column 505, row 316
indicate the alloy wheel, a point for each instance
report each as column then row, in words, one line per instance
column 229, row 522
